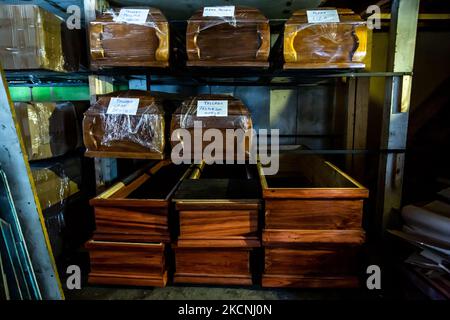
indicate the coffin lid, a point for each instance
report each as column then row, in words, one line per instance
column 148, row 104
column 235, row 106
column 241, row 14
column 154, row 15
column 345, row 15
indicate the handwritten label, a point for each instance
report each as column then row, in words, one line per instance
column 320, row 16
column 212, row 108
column 223, row 11
column 127, row 106
column 132, row 16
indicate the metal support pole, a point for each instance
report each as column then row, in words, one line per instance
column 402, row 43
column 14, row 161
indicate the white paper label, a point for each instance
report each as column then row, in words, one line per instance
column 127, row 106
column 318, row 16
column 223, row 11
column 132, row 16
column 212, row 108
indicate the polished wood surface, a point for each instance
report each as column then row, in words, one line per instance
column 218, row 210
column 310, row 261
column 127, row 263
column 290, row 237
column 139, row 210
column 223, row 223
column 135, row 223
column 341, row 44
column 140, row 136
column 313, row 214
column 116, row 44
column 212, row 265
column 239, row 41
column 313, row 218
column 273, row 281
column 238, row 117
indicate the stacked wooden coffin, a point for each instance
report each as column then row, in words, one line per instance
column 239, row 37
column 313, row 230
column 218, row 215
column 129, row 246
column 125, row 124
column 325, row 38
column 129, row 37
column 212, row 111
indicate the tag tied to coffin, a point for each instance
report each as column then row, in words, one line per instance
column 132, row 16
column 219, row 11
column 212, row 108
column 321, row 16
column 126, row 106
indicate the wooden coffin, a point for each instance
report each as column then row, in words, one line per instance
column 340, row 44
column 220, row 202
column 218, row 213
column 237, row 118
column 139, row 136
column 137, row 209
column 313, row 217
column 239, row 41
column 123, row 263
column 121, row 44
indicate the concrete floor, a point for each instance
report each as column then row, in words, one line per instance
column 210, row 293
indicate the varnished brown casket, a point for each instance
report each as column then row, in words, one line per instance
column 340, row 44
column 313, row 224
column 237, row 41
column 133, row 225
column 137, row 209
column 237, row 118
column 140, row 135
column 117, row 43
column 218, row 211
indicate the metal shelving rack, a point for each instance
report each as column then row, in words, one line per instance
column 391, row 152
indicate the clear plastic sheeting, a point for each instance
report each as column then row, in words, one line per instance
column 341, row 44
column 56, row 181
column 125, row 37
column 32, row 38
column 241, row 37
column 49, row 129
column 237, row 117
column 140, row 135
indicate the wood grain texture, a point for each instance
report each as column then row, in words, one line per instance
column 127, row 263
column 310, row 261
column 138, row 208
column 119, row 223
column 128, row 280
column 229, row 242
column 239, row 280
column 290, row 237
column 212, row 41
column 310, row 177
column 325, row 45
column 273, row 281
column 313, row 214
column 110, row 41
column 218, row 224
column 212, row 265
